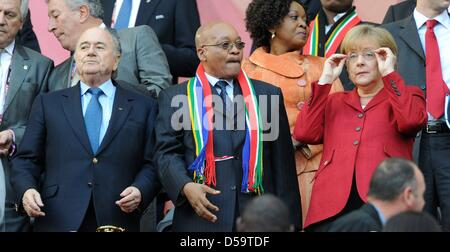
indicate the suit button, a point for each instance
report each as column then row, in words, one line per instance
column 90, row 184
column 356, row 142
column 361, row 115
column 94, row 160
column 301, row 83
column 233, row 188
column 358, row 129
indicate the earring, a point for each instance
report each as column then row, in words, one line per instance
column 273, row 35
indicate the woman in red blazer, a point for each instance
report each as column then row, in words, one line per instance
column 360, row 128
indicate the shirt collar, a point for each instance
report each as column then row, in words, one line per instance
column 380, row 215
column 10, row 48
column 107, row 88
column 442, row 19
column 102, row 25
column 338, row 16
column 213, row 80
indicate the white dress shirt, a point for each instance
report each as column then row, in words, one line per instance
column 336, row 18
column 442, row 31
column 134, row 12
column 213, row 80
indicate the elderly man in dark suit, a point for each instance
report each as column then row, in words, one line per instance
column 174, row 22
column 94, row 142
column 209, row 157
column 23, row 75
column 423, row 50
column 396, row 186
column 143, row 64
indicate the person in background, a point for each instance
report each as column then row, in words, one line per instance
column 143, row 66
column 399, row 11
column 24, row 74
column 174, row 22
column 278, row 28
column 396, row 186
column 266, row 213
column 378, row 119
column 423, row 60
column 412, row 221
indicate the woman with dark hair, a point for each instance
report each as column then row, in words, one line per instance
column 279, row 30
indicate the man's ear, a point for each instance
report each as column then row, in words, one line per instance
column 201, row 53
column 408, row 196
column 84, row 13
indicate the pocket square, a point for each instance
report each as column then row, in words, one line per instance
column 159, row 17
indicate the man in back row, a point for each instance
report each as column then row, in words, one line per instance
column 143, row 63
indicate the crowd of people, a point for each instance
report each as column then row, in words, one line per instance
column 332, row 124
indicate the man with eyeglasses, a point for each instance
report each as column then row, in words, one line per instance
column 211, row 150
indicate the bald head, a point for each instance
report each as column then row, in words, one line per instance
column 217, row 49
column 210, row 31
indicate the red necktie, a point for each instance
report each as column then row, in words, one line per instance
column 436, row 87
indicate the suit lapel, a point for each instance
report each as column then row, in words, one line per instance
column 121, row 109
column 145, row 12
column 19, row 70
column 73, row 111
column 410, row 36
column 380, row 97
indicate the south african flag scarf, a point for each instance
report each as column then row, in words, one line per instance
column 201, row 115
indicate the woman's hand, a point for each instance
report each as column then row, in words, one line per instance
column 332, row 68
column 386, row 60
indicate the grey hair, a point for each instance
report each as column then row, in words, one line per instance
column 117, row 47
column 391, row 178
column 95, row 6
column 23, row 9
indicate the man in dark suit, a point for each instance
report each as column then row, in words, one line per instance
column 396, row 186
column 215, row 205
column 94, row 142
column 143, row 63
column 399, row 11
column 432, row 144
column 174, row 22
column 23, row 75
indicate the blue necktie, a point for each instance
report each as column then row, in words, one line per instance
column 123, row 19
column 93, row 118
column 222, row 87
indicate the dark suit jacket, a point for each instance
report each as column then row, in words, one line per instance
column 399, row 11
column 175, row 23
column 176, row 151
column 56, row 143
column 26, row 36
column 29, row 76
column 365, row 219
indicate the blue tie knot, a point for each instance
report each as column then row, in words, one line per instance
column 95, row 91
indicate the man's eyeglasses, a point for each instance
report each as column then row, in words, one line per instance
column 368, row 55
column 228, row 45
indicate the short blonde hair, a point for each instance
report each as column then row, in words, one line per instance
column 353, row 39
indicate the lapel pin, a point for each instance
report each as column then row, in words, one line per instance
column 120, row 109
column 148, row 1
column 25, row 67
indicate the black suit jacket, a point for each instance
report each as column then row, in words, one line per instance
column 26, row 36
column 175, row 23
column 56, row 144
column 365, row 219
column 176, row 151
column 399, row 11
